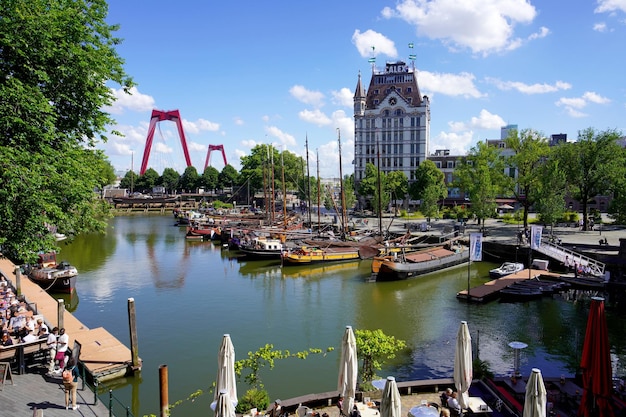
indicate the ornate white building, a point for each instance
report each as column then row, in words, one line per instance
column 391, row 122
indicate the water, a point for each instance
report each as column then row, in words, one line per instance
column 188, row 294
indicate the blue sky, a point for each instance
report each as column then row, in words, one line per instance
column 250, row 72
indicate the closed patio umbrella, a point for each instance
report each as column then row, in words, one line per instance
column 390, row 403
column 226, row 372
column 596, row 365
column 536, row 396
column 348, row 370
column 224, row 406
column 463, row 368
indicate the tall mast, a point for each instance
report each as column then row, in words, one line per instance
column 380, row 203
column 308, row 180
column 319, row 214
column 266, row 169
column 132, row 171
column 282, row 163
column 273, row 186
column 343, row 196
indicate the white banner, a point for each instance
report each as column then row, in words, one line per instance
column 535, row 236
column 476, row 246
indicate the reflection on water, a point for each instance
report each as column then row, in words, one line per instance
column 189, row 293
column 70, row 301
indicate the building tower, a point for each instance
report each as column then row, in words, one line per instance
column 391, row 118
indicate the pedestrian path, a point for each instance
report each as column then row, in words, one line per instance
column 32, row 391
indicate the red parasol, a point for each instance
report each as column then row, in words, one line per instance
column 596, row 365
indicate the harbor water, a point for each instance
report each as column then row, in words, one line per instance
column 188, row 294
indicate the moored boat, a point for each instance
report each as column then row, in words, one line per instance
column 505, row 269
column 398, row 264
column 262, row 248
column 306, row 255
column 53, row 276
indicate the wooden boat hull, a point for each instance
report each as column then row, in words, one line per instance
column 303, row 257
column 391, row 269
column 55, row 280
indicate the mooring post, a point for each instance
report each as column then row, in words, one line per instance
column 18, row 280
column 163, row 390
column 60, row 312
column 132, row 324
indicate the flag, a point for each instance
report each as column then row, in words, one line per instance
column 476, row 246
column 371, row 60
column 412, row 56
column 411, row 45
column 535, row 236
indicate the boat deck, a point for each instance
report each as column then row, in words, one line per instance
column 489, row 290
column 427, row 255
column 103, row 356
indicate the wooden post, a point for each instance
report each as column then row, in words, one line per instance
column 60, row 312
column 132, row 324
column 163, row 390
column 18, row 280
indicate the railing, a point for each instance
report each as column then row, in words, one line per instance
column 112, row 402
column 560, row 253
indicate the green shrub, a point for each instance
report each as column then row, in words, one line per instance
column 253, row 398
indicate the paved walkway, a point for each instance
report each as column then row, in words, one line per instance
column 32, row 391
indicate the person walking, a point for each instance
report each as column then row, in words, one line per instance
column 70, row 382
column 62, row 346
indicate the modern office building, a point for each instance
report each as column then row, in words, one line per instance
column 391, row 121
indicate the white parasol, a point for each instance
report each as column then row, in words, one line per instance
column 536, row 396
column 224, row 406
column 348, row 370
column 463, row 371
column 226, row 372
column 390, row 403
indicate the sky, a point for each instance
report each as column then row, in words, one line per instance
column 281, row 72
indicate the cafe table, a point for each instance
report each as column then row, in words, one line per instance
column 478, row 405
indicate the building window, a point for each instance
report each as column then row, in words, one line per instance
column 438, row 164
column 450, row 164
column 409, row 89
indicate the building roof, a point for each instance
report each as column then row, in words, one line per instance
column 398, row 77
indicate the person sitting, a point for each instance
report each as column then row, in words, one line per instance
column 29, row 336
column 6, row 339
column 276, row 410
column 444, row 412
column 453, row 405
column 355, row 412
column 445, row 396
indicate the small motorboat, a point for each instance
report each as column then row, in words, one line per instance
column 505, row 269
column 53, row 276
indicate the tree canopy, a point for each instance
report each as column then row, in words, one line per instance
column 429, row 187
column 56, row 60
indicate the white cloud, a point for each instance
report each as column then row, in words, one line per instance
column 484, row 26
column 484, row 121
column 284, row 138
column 196, row 147
column 458, row 144
column 300, row 93
column 134, row 101
column 449, row 84
column 610, row 6
column 369, row 39
column 595, row 98
column 600, row 27
column 238, row 121
column 529, row 88
column 200, row 125
column 161, row 147
column 343, row 97
column 249, row 143
column 574, row 105
column 316, row 117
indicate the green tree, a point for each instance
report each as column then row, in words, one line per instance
column 147, row 181
column 617, row 207
column 530, row 150
column 593, row 165
column 348, row 189
column 429, row 187
column 189, row 180
column 369, row 187
column 373, row 348
column 481, row 176
column 397, row 184
column 209, row 178
column 58, row 61
column 550, row 191
column 229, row 177
column 169, row 179
column 129, row 180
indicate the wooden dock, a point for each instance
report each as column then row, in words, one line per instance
column 104, row 357
column 489, row 290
